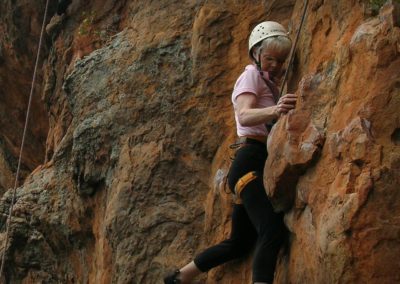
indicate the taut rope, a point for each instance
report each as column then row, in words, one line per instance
column 293, row 49
column 8, row 225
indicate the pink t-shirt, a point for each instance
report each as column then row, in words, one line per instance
column 250, row 81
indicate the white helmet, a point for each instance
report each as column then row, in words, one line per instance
column 265, row 30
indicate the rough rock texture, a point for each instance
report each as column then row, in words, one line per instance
column 19, row 29
column 135, row 102
column 337, row 162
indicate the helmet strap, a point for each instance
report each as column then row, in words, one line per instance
column 258, row 62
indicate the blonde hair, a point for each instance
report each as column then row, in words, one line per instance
column 281, row 43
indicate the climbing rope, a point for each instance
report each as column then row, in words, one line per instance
column 291, row 57
column 8, row 224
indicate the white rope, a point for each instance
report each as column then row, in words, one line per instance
column 8, row 225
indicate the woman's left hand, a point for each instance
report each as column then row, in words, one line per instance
column 286, row 103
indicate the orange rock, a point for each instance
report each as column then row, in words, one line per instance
column 128, row 145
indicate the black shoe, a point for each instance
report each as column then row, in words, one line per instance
column 171, row 278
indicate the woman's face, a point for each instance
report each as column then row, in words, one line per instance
column 272, row 61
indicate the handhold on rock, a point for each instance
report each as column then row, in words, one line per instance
column 390, row 13
column 55, row 24
column 294, row 146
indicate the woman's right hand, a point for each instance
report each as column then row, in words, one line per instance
column 286, row 103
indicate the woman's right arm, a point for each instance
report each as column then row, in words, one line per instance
column 249, row 115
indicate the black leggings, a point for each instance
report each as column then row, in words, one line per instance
column 253, row 222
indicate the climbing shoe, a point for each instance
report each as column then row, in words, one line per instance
column 172, row 278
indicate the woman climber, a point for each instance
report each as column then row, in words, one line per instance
column 255, row 103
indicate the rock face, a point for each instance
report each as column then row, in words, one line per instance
column 19, row 29
column 334, row 161
column 125, row 164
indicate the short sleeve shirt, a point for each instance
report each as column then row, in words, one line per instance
column 250, row 81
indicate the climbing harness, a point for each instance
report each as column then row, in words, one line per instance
column 291, row 56
column 242, row 183
column 249, row 139
column 243, row 141
column 8, row 222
